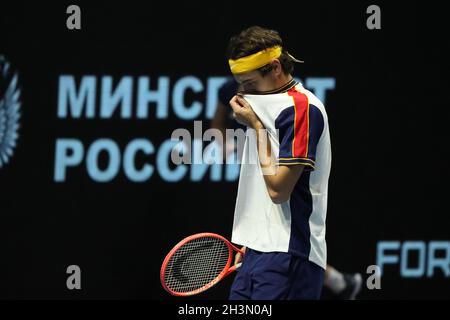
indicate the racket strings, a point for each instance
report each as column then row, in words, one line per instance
column 195, row 264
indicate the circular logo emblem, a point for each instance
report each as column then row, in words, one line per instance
column 9, row 110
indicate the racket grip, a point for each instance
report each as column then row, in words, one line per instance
column 233, row 268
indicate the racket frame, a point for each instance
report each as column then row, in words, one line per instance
column 228, row 269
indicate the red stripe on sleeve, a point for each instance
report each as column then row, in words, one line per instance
column 301, row 124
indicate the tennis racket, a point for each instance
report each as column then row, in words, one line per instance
column 197, row 263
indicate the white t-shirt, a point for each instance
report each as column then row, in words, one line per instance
column 298, row 131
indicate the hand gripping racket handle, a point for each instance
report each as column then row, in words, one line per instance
column 237, row 265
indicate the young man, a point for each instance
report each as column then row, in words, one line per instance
column 282, row 199
column 340, row 285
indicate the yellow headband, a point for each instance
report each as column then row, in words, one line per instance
column 254, row 61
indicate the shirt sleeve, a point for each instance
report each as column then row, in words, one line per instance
column 300, row 128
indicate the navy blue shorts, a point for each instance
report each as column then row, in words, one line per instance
column 276, row 276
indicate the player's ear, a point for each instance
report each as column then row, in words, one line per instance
column 276, row 67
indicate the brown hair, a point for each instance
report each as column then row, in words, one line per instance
column 255, row 39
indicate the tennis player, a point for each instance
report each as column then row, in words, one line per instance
column 282, row 197
column 340, row 285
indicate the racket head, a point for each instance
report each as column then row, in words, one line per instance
column 196, row 264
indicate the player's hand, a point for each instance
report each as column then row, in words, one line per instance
column 243, row 112
column 239, row 256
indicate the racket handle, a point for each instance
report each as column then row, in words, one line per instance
column 233, row 268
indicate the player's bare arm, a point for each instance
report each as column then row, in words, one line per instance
column 281, row 180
